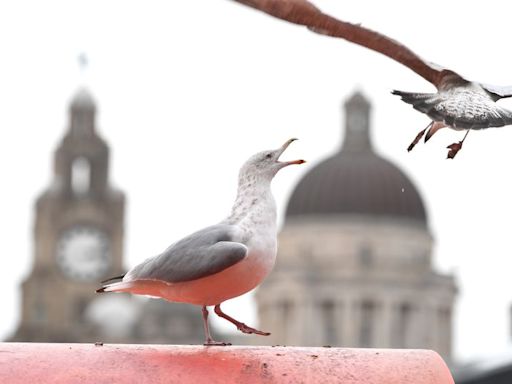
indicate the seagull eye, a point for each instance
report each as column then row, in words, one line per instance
column 268, row 155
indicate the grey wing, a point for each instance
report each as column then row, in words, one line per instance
column 478, row 117
column 495, row 117
column 457, row 112
column 302, row 12
column 203, row 253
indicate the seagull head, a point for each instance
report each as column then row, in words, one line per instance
column 266, row 164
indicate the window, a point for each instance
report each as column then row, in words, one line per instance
column 444, row 327
column 367, row 324
column 39, row 312
column 365, row 256
column 80, row 305
column 403, row 325
column 285, row 309
column 328, row 313
column 80, row 176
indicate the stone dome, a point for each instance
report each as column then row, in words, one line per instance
column 356, row 180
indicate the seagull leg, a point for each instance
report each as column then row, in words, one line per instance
column 240, row 326
column 436, row 126
column 209, row 341
column 418, row 137
column 455, row 147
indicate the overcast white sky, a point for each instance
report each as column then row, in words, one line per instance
column 188, row 89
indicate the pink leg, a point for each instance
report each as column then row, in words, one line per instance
column 209, row 341
column 435, row 127
column 418, row 137
column 240, row 326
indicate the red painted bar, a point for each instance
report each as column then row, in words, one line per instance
column 88, row 363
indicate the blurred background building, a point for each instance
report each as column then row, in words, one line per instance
column 79, row 237
column 354, row 267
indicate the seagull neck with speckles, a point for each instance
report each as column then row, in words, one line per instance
column 254, row 201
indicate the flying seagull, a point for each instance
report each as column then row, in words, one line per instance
column 459, row 104
column 221, row 261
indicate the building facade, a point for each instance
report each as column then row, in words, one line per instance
column 354, row 267
column 78, row 241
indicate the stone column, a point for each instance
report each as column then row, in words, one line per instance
column 351, row 321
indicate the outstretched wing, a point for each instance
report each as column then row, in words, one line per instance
column 498, row 91
column 198, row 255
column 302, row 12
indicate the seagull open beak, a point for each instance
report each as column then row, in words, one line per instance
column 282, row 149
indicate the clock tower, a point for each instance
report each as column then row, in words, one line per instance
column 78, row 234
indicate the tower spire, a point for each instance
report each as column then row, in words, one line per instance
column 83, row 61
column 357, row 124
column 83, row 65
column 82, row 109
column 82, row 113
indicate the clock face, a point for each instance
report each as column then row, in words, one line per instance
column 83, row 253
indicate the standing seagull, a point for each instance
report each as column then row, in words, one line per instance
column 458, row 103
column 224, row 260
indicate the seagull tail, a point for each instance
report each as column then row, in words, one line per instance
column 121, row 286
column 423, row 102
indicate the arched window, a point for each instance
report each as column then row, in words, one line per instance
column 80, row 176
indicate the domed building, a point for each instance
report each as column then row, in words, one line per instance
column 354, row 267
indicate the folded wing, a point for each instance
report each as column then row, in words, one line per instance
column 203, row 253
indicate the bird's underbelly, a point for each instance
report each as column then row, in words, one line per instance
column 214, row 289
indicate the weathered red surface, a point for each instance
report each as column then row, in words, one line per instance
column 87, row 363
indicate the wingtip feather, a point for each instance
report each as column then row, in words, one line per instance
column 120, row 277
